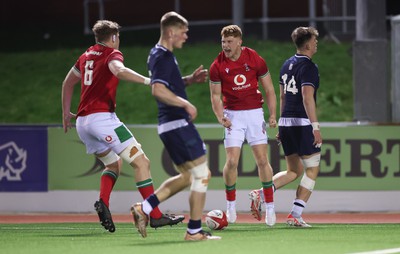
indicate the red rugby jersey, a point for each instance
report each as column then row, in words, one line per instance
column 98, row 84
column 239, row 79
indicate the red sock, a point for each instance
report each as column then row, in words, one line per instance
column 107, row 182
column 145, row 192
column 268, row 194
column 230, row 195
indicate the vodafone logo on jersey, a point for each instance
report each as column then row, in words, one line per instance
column 240, row 81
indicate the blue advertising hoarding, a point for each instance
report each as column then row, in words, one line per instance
column 23, row 159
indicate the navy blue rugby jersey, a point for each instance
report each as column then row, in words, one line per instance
column 297, row 71
column 163, row 68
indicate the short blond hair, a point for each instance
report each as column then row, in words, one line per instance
column 104, row 29
column 301, row 35
column 172, row 19
column 231, row 30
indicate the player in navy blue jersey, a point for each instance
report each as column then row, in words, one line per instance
column 299, row 131
column 176, row 129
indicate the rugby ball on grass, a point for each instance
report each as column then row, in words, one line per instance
column 216, row 220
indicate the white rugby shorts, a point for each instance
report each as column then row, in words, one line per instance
column 246, row 125
column 103, row 131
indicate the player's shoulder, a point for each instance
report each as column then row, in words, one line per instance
column 251, row 52
column 290, row 61
column 159, row 52
column 102, row 51
column 220, row 57
column 310, row 65
column 248, row 50
column 113, row 54
column 116, row 51
column 252, row 55
column 219, row 60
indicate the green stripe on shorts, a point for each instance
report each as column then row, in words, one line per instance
column 123, row 133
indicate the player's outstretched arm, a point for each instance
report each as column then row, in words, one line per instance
column 124, row 73
column 164, row 95
column 200, row 75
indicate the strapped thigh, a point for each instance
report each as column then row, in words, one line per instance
column 131, row 152
column 110, row 158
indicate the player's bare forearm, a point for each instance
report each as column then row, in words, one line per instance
column 124, row 73
column 271, row 102
column 309, row 103
column 200, row 75
column 309, row 106
column 216, row 102
column 270, row 95
column 217, row 109
column 66, row 97
column 164, row 95
column 282, row 100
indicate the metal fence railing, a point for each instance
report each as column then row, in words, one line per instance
column 338, row 16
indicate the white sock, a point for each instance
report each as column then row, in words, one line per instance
column 231, row 204
column 269, row 205
column 298, row 207
column 193, row 231
column 146, row 207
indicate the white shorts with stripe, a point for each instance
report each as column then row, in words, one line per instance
column 103, row 131
column 247, row 125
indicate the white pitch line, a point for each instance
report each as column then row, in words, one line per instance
column 385, row 251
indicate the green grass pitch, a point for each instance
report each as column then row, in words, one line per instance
column 87, row 238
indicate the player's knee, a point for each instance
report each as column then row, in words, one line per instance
column 231, row 164
column 200, row 177
column 293, row 175
column 141, row 162
column 186, row 176
column 307, row 182
column 130, row 153
column 263, row 163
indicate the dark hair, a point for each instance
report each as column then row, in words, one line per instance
column 173, row 19
column 103, row 29
column 301, row 35
column 231, row 30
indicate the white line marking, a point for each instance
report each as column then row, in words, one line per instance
column 386, row 251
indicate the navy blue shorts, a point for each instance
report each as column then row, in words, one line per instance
column 297, row 140
column 183, row 144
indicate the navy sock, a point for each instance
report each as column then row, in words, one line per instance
column 194, row 224
column 153, row 200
